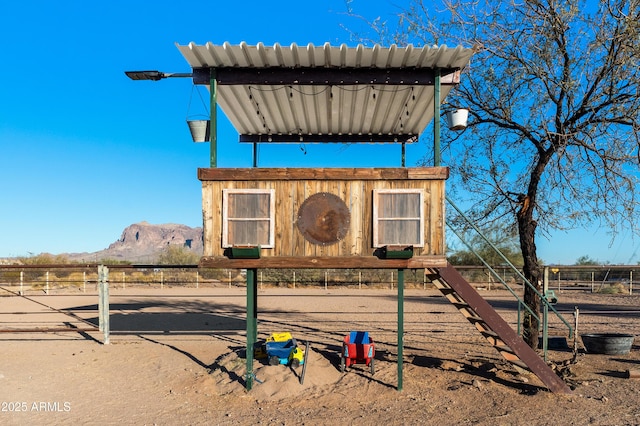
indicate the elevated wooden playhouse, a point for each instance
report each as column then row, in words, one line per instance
column 391, row 218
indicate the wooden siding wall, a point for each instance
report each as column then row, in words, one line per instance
column 354, row 186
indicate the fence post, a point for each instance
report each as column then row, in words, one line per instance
column 360, row 280
column 100, row 300
column 84, row 281
column 21, row 282
column 326, row 277
column 545, row 311
column 197, row 278
column 630, row 282
column 46, row 289
column 103, row 302
column 294, row 279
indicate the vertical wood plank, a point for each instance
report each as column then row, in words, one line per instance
column 207, row 218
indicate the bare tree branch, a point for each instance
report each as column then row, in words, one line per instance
column 553, row 141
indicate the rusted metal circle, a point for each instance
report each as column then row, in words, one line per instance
column 323, row 219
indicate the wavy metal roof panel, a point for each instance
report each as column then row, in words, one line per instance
column 373, row 109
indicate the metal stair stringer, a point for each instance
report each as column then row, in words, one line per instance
column 493, row 327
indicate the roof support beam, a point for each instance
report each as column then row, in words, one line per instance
column 436, row 119
column 213, row 107
column 314, row 138
column 326, row 76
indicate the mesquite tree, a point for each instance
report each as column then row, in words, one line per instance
column 553, row 139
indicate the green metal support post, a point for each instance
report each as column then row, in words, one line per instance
column 400, row 325
column 255, row 155
column 213, row 122
column 252, row 322
column 404, row 155
column 436, row 119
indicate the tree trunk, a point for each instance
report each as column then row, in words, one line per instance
column 531, row 271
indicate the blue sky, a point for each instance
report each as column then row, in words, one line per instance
column 87, row 152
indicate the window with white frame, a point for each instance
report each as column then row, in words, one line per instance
column 398, row 217
column 248, row 217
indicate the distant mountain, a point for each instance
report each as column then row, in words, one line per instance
column 143, row 242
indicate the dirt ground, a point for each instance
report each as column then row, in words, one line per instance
column 176, row 356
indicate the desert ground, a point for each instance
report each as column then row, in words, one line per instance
column 176, row 356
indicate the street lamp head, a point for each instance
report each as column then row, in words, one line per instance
column 145, row 75
column 154, row 75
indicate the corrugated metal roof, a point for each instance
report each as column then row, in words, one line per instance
column 332, row 110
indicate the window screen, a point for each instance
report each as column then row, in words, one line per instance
column 398, row 217
column 248, row 217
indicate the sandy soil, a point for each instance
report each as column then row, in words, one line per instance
column 176, row 356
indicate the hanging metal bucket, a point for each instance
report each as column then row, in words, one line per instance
column 199, row 130
column 457, row 120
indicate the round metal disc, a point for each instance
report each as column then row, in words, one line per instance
column 323, row 218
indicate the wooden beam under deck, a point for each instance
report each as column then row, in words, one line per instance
column 255, row 174
column 304, row 262
column 324, row 76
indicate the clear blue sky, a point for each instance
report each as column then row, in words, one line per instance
column 87, row 152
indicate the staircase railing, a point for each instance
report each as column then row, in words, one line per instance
column 521, row 304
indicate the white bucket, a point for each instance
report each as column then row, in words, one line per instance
column 457, row 119
column 199, row 130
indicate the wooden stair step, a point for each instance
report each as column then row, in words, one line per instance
column 473, row 318
column 494, row 341
column 504, row 348
column 489, row 333
column 460, row 304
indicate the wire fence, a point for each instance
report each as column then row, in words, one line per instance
column 36, row 282
column 610, row 279
column 25, row 279
column 61, row 278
